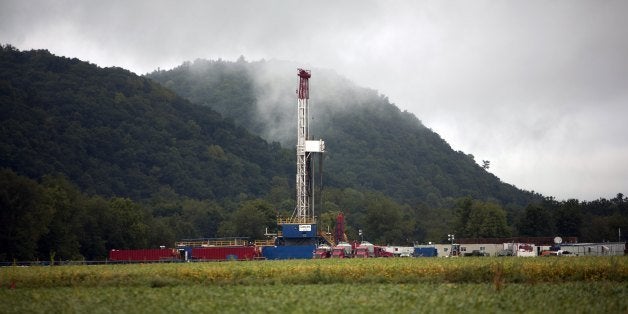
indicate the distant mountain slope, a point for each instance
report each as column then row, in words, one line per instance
column 115, row 133
column 371, row 143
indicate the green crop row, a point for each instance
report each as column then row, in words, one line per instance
column 579, row 297
column 496, row 271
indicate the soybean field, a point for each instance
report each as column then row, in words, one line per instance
column 394, row 285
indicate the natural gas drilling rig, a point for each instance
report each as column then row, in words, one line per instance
column 299, row 235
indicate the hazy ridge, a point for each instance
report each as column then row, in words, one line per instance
column 371, row 143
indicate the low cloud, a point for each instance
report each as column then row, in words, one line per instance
column 539, row 88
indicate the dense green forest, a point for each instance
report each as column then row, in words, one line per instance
column 115, row 133
column 94, row 158
column 52, row 218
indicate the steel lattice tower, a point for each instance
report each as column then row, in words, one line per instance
column 304, row 211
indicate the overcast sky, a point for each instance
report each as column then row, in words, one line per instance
column 539, row 88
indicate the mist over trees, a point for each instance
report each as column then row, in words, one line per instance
column 93, row 159
column 371, row 144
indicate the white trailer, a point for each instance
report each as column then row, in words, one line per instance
column 595, row 249
column 400, row 251
column 521, row 249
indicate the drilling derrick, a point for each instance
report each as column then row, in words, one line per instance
column 304, row 211
column 301, row 213
column 299, row 234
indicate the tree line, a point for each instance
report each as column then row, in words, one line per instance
column 52, row 218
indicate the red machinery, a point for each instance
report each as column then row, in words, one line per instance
column 367, row 249
column 224, row 253
column 342, row 250
column 145, row 255
column 339, row 234
column 322, row 251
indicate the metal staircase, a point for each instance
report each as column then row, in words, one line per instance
column 328, row 238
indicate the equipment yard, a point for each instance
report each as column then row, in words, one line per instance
column 586, row 284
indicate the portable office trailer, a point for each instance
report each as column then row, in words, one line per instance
column 483, row 248
column 595, row 249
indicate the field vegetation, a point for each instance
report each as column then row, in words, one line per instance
column 588, row 284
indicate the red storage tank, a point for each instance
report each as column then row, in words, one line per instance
column 144, row 255
column 224, row 253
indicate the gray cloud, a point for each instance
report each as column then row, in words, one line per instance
column 539, row 88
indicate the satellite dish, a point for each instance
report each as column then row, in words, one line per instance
column 558, row 240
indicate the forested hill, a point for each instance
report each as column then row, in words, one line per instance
column 371, row 144
column 112, row 132
column 93, row 159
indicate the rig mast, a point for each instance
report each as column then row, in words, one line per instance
column 304, row 211
column 299, row 235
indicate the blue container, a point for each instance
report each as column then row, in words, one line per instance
column 425, row 252
column 289, row 252
column 188, row 252
column 298, row 230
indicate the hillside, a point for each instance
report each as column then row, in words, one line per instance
column 371, row 144
column 114, row 133
column 107, row 159
column 93, row 159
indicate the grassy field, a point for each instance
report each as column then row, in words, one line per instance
column 596, row 285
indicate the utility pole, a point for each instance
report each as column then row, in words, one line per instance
column 451, row 238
